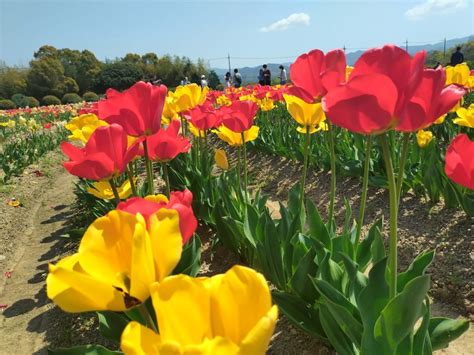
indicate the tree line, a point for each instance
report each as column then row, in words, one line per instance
column 70, row 75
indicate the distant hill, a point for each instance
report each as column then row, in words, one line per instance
column 250, row 74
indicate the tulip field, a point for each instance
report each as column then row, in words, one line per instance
column 328, row 197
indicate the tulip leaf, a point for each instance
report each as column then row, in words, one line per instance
column 421, row 338
column 317, row 228
column 190, row 261
column 398, row 317
column 299, row 281
column 357, row 280
column 444, row 330
column 416, row 268
column 112, row 324
column 83, row 350
column 300, row 313
column 335, row 334
column 371, row 242
column 331, row 272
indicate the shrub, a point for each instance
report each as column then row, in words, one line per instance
column 50, row 100
column 7, row 104
column 71, row 98
column 30, row 101
column 90, row 96
column 19, row 100
column 119, row 76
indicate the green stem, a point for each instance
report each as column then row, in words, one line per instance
column 307, row 137
column 333, row 173
column 401, row 167
column 238, row 167
column 147, row 317
column 149, row 169
column 392, row 250
column 205, row 156
column 167, row 178
column 363, row 198
column 130, row 177
column 114, row 190
column 244, row 152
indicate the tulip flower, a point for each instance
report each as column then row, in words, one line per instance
column 167, row 143
column 266, row 104
column 170, row 110
column 202, row 117
column 220, row 158
column 189, row 96
column 181, row 201
column 389, row 90
column 423, row 138
column 119, row 257
column 314, row 73
column 103, row 190
column 138, row 109
column 104, row 156
column 241, row 117
column 308, row 116
column 459, row 165
column 226, row 314
column 440, row 119
column 235, row 139
column 465, row 116
column 223, row 101
column 83, row 126
column 459, row 74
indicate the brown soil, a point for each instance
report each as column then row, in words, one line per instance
column 30, row 239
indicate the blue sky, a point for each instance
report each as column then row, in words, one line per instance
column 276, row 31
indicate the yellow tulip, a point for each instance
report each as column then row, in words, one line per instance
column 83, row 126
column 248, row 98
column 349, row 70
column 22, row 121
column 170, row 110
column 423, row 138
column 221, row 159
column 440, row 119
column 458, row 74
column 103, row 190
column 223, row 101
column 196, row 132
column 226, row 314
column 309, row 116
column 235, row 139
column 189, row 96
column 266, row 104
column 119, row 257
column 465, row 116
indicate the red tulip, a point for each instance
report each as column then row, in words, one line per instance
column 314, row 73
column 202, row 117
column 460, row 161
column 180, row 201
column 47, row 125
column 239, row 116
column 167, row 143
column 138, row 110
column 388, row 89
column 105, row 155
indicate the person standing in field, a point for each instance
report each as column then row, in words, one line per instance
column 282, row 75
column 227, row 80
column 267, row 75
column 457, row 57
column 260, row 77
column 203, row 81
column 237, row 79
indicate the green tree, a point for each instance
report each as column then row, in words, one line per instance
column 46, row 51
column 213, row 80
column 119, row 75
column 45, row 74
column 65, row 86
column 12, row 81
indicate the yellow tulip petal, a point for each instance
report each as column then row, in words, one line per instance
column 220, row 158
column 304, row 113
column 239, row 289
column 139, row 340
column 166, row 241
column 303, row 130
column 157, row 198
column 182, row 307
column 257, row 340
column 423, row 138
column 73, row 290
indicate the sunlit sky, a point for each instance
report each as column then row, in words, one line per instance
column 252, row 32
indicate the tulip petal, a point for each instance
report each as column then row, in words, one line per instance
column 459, row 165
column 139, row 340
column 257, row 340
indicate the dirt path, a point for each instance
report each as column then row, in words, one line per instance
column 36, row 229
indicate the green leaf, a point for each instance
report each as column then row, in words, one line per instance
column 357, row 280
column 317, row 228
column 331, row 272
column 190, row 261
column 416, row 268
column 83, row 350
column 364, row 250
column 329, row 293
column 444, row 330
column 300, row 313
column 299, row 282
column 399, row 316
column 371, row 301
column 419, row 340
column 112, row 324
column 335, row 334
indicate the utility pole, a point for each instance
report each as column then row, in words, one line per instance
column 444, row 51
column 406, row 45
column 344, row 48
column 228, row 59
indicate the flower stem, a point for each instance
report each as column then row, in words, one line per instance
column 333, row 173
column 238, row 167
column 167, row 178
column 149, row 168
column 363, row 198
column 114, row 190
column 392, row 249
column 130, row 177
column 244, row 152
column 307, row 137
column 401, row 167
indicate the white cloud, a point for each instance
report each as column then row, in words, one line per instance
column 433, row 6
column 285, row 23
